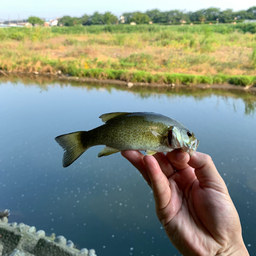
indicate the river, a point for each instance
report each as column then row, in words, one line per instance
column 103, row 203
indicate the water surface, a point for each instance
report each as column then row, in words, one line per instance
column 103, row 203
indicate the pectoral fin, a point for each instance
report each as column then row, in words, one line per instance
column 150, row 152
column 155, row 133
column 108, row 151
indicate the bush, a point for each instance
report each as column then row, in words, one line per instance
column 241, row 80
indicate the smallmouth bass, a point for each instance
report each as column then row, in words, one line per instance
column 129, row 131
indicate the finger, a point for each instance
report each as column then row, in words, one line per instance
column 159, row 182
column 164, row 164
column 178, row 159
column 185, row 174
column 136, row 159
column 206, row 172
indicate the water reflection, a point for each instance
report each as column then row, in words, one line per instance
column 104, row 203
column 144, row 92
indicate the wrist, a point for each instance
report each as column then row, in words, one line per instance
column 240, row 252
column 237, row 250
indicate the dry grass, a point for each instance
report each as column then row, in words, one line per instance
column 175, row 52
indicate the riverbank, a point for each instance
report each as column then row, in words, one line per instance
column 164, row 55
column 6, row 76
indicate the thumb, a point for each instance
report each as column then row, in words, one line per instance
column 206, row 172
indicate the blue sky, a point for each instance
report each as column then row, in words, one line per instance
column 14, row 9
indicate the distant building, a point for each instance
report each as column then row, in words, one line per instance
column 133, row 23
column 122, row 19
column 15, row 23
column 249, row 21
column 54, row 22
column 50, row 23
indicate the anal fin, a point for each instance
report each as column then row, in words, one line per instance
column 108, row 151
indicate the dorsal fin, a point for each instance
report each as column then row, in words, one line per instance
column 109, row 116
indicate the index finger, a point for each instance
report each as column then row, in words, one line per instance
column 206, row 172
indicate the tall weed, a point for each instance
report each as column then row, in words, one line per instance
column 253, row 58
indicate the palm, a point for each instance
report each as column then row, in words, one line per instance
column 195, row 214
column 187, row 218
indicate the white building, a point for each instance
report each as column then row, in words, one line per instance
column 53, row 22
column 122, row 19
column 249, row 21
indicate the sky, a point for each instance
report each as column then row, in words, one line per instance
column 50, row 9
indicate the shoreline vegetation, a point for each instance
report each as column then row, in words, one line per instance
column 44, row 82
column 151, row 54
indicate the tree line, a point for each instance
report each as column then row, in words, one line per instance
column 211, row 14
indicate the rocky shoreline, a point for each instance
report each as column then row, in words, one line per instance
column 23, row 240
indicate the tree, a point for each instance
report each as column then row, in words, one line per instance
column 128, row 16
column 66, row 21
column 212, row 13
column 253, row 11
column 84, row 19
column 176, row 16
column 35, row 20
column 202, row 18
column 109, row 18
column 155, row 16
column 140, row 18
column 241, row 15
column 96, row 19
column 226, row 15
column 194, row 16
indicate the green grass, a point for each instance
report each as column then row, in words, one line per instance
column 164, row 78
column 164, row 31
column 201, row 29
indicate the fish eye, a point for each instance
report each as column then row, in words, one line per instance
column 189, row 134
column 170, row 137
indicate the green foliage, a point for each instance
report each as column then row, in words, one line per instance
column 69, row 30
column 84, row 19
column 96, row 19
column 69, row 21
column 140, row 18
column 34, row 34
column 142, row 60
column 254, row 58
column 120, row 39
column 35, row 20
column 166, row 31
column 241, row 80
column 109, row 18
column 211, row 15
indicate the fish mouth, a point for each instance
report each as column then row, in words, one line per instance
column 193, row 146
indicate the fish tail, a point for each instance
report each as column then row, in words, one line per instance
column 72, row 143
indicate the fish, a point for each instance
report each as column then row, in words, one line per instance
column 144, row 131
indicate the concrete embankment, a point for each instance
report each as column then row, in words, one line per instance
column 23, row 240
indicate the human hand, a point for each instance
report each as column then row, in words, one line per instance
column 192, row 202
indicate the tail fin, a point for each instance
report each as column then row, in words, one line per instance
column 72, row 145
